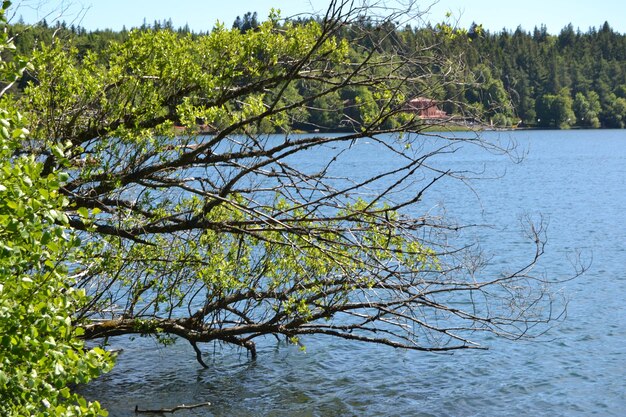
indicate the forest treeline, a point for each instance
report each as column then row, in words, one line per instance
column 512, row 77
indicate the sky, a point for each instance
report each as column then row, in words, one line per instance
column 201, row 15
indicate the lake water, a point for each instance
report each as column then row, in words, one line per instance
column 576, row 180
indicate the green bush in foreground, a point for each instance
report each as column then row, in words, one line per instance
column 40, row 354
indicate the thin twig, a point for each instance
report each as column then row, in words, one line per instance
column 171, row 410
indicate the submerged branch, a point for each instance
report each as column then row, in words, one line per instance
column 171, row 410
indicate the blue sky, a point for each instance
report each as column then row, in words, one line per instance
column 202, row 14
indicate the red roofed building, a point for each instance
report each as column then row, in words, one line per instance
column 426, row 108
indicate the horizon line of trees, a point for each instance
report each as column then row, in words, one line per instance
column 571, row 79
column 514, row 77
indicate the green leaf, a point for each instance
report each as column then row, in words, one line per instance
column 83, row 212
column 57, row 151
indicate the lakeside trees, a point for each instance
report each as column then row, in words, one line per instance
column 525, row 69
column 538, row 68
column 228, row 237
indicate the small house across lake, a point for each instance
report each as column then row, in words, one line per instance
column 425, row 108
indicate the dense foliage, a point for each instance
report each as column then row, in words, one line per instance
column 41, row 355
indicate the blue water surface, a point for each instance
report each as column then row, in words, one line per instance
column 574, row 180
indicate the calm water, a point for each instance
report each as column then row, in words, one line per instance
column 576, row 180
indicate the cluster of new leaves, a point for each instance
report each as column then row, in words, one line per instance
column 158, row 77
column 41, row 355
column 40, row 351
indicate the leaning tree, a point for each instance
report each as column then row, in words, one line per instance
column 197, row 224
